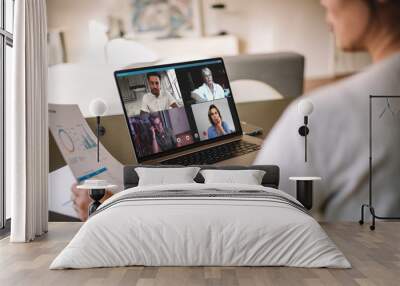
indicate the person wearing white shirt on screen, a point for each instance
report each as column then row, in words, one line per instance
column 157, row 99
column 209, row 90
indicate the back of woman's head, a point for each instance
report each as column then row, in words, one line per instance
column 385, row 14
column 358, row 24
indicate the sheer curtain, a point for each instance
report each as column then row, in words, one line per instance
column 27, row 126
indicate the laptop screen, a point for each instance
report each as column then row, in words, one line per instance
column 174, row 107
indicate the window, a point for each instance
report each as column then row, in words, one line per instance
column 6, row 43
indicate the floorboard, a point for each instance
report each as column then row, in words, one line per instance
column 375, row 257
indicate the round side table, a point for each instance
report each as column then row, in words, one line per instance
column 304, row 190
column 96, row 193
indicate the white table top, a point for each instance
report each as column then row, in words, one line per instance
column 305, row 178
column 94, row 187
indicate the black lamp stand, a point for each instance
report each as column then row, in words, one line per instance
column 98, row 135
column 96, row 195
column 304, row 131
column 369, row 205
column 304, row 193
column 100, row 131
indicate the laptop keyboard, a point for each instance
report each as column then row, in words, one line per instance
column 214, row 154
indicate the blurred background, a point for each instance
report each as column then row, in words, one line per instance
column 84, row 30
column 274, row 51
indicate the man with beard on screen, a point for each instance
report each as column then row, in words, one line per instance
column 157, row 99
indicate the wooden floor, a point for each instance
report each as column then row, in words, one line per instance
column 375, row 257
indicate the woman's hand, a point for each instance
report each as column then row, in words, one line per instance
column 153, row 132
column 219, row 128
column 81, row 201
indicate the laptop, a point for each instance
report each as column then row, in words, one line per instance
column 183, row 114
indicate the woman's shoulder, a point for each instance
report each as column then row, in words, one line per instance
column 379, row 78
column 225, row 124
column 211, row 132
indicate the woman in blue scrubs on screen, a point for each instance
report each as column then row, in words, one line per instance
column 218, row 126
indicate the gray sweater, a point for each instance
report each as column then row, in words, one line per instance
column 339, row 144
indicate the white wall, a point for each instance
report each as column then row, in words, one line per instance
column 72, row 16
column 276, row 25
column 261, row 26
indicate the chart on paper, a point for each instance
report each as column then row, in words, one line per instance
column 78, row 146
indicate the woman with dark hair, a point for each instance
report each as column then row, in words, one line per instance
column 218, row 127
column 339, row 145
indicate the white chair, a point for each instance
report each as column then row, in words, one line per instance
column 97, row 41
column 80, row 83
column 247, row 90
column 117, row 53
column 122, row 53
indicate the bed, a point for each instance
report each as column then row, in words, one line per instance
column 201, row 224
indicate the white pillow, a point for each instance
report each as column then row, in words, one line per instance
column 248, row 177
column 165, row 176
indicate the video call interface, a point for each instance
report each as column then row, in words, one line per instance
column 179, row 105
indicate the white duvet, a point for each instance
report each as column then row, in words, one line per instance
column 202, row 231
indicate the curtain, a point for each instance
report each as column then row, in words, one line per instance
column 27, row 124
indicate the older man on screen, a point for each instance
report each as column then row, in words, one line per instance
column 157, row 99
column 209, row 90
